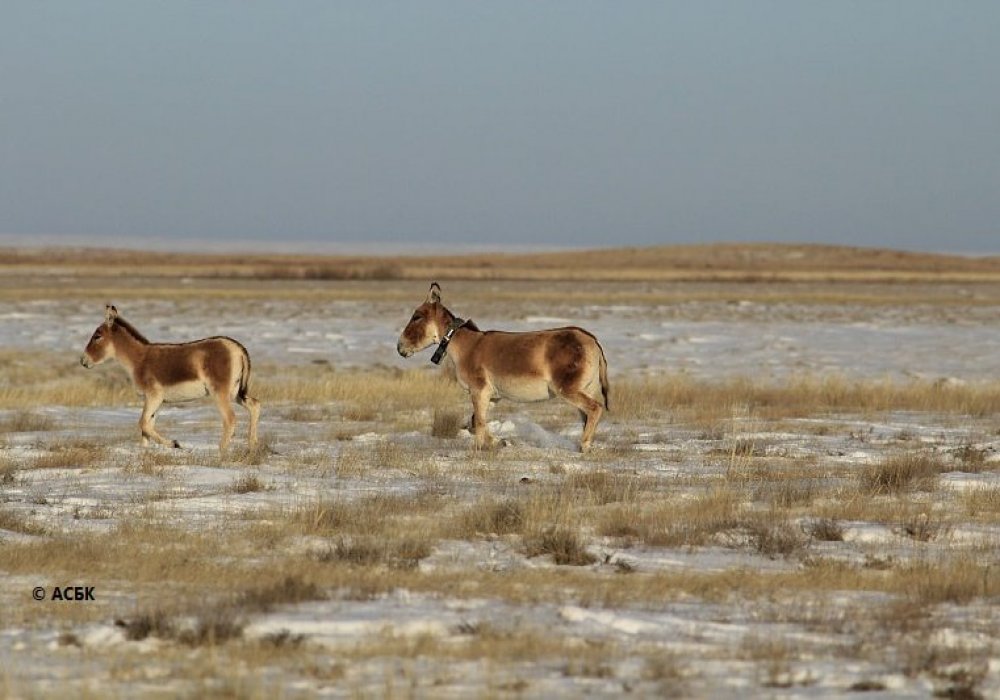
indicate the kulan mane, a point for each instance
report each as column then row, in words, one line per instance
column 131, row 330
column 470, row 324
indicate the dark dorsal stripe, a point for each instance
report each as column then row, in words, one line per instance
column 130, row 329
column 470, row 324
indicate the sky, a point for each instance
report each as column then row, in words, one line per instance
column 240, row 124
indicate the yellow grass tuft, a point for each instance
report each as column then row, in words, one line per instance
column 26, row 422
column 983, row 503
column 705, row 402
column 72, row 454
column 902, row 472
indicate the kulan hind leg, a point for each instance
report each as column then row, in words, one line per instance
column 228, row 420
column 147, row 421
column 252, row 406
column 591, row 412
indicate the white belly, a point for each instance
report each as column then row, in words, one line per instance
column 522, row 390
column 186, row 391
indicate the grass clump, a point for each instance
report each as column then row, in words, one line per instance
column 709, row 402
column 70, row 455
column 290, row 589
column 826, row 530
column 209, row 626
column 490, row 517
column 252, row 455
column 903, row 472
column 26, row 422
column 248, row 483
column 775, row 539
column 972, row 459
column 404, row 553
column 13, row 521
column 957, row 580
column 924, row 526
column 605, row 487
column 446, row 424
column 983, row 502
column 675, row 522
column 154, row 623
column 8, row 471
column 562, row 543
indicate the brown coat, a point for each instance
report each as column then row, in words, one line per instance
column 172, row 372
column 568, row 363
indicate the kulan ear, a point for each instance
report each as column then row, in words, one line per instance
column 434, row 295
column 110, row 314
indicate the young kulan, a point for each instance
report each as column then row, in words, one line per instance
column 172, row 372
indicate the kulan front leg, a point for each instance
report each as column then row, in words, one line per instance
column 147, row 422
column 480, row 405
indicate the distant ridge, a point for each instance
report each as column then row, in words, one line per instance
column 749, row 262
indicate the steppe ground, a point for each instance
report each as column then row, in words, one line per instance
column 796, row 492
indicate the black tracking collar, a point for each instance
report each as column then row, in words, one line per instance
column 439, row 354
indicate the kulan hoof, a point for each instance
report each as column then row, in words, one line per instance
column 481, row 445
column 493, row 444
column 177, row 445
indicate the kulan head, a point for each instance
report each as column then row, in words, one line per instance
column 425, row 326
column 101, row 348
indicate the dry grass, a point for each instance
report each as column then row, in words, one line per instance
column 373, row 554
column 789, row 493
column 446, row 424
column 70, row 454
column 710, row 403
column 241, row 452
column 903, row 472
column 8, row 470
column 214, row 622
column 14, row 521
column 490, row 516
column 249, row 483
column 378, row 515
column 372, row 392
column 960, row 579
column 983, row 503
column 672, row 522
column 207, row 625
column 288, row 590
column 26, row 422
column 562, row 542
column 603, row 487
column 774, row 536
column 925, row 525
column 739, row 262
column 307, row 414
column 151, row 462
column 420, row 397
column 826, row 530
column 365, row 550
column 360, row 459
column 199, row 588
column 972, row 459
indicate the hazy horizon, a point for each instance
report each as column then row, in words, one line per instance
column 401, row 248
column 449, row 125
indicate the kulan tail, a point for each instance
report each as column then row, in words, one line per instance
column 241, row 393
column 605, row 386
